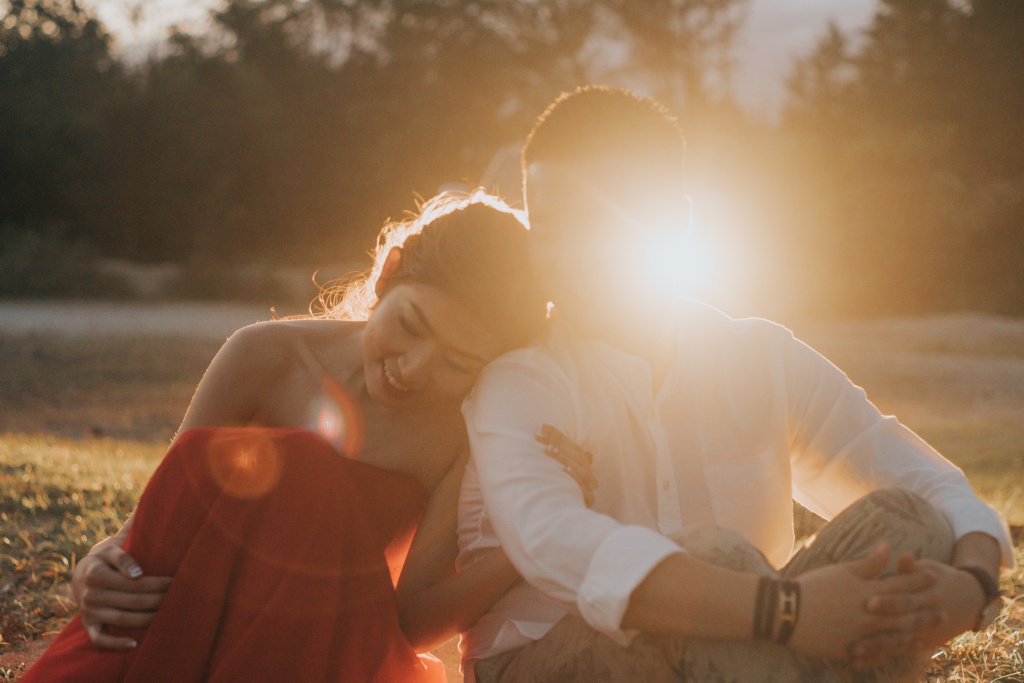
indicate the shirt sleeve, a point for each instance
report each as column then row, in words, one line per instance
column 844, row 448
column 571, row 553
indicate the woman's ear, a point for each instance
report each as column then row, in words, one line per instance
column 386, row 279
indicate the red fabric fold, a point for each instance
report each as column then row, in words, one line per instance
column 283, row 555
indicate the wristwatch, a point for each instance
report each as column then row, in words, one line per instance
column 994, row 599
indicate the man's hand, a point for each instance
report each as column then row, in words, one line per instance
column 834, row 616
column 956, row 595
column 110, row 589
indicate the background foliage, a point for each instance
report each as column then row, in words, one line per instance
column 293, row 128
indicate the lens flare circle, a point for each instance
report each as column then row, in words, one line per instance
column 337, row 418
column 245, row 464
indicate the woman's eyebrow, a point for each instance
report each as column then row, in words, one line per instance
column 430, row 330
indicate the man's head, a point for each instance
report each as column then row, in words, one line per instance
column 603, row 174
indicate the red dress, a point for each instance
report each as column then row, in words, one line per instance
column 283, row 555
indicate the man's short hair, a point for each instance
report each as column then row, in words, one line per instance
column 597, row 124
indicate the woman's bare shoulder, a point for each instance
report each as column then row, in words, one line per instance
column 275, row 336
column 313, row 327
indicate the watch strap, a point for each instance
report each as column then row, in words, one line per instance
column 988, row 583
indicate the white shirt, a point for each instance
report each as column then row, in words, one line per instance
column 747, row 419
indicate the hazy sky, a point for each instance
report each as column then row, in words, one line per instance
column 776, row 31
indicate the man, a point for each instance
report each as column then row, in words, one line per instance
column 702, row 430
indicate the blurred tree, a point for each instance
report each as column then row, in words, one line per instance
column 296, row 125
column 56, row 79
column 912, row 156
column 683, row 47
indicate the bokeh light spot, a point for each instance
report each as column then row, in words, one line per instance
column 337, row 418
column 244, row 463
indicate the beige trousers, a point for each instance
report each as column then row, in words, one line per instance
column 573, row 651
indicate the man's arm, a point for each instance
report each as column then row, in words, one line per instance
column 844, row 448
column 573, row 554
column 630, row 577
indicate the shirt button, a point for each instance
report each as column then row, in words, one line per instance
column 664, row 484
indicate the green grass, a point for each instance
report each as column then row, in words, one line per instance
column 58, row 498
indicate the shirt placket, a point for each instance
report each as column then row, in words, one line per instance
column 670, row 518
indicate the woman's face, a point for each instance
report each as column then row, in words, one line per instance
column 420, row 345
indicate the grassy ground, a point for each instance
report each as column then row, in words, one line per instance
column 83, row 423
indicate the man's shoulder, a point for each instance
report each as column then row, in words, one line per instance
column 536, row 373
column 708, row 326
column 535, row 360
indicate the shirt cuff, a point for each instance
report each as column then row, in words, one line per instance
column 621, row 563
column 967, row 515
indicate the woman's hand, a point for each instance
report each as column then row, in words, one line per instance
column 835, row 618
column 110, row 589
column 576, row 461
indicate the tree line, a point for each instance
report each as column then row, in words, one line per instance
column 292, row 128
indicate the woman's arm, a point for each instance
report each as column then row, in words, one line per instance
column 110, row 589
column 434, row 602
column 107, row 583
column 230, row 392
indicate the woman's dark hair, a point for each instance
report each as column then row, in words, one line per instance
column 473, row 248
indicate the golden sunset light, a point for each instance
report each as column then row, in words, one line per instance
column 489, row 341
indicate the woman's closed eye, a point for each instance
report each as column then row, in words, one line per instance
column 460, row 367
column 408, row 327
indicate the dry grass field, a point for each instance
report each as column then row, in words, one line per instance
column 85, row 415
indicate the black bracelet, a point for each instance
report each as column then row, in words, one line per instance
column 789, row 610
column 764, row 607
column 776, row 609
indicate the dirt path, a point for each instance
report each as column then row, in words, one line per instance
column 85, row 319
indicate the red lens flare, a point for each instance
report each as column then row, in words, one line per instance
column 338, row 419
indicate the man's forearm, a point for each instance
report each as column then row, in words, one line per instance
column 977, row 549
column 686, row 596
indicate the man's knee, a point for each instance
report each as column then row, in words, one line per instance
column 909, row 522
column 724, row 547
column 895, row 507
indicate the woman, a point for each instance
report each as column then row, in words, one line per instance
column 283, row 554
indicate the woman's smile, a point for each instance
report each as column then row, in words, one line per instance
column 394, row 383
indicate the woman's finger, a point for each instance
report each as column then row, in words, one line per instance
column 557, row 438
column 581, row 481
column 563, row 454
column 116, row 617
column 97, row 598
column 581, row 473
column 103, row 574
column 570, row 466
column 588, row 492
column 107, row 641
column 562, row 441
column 568, row 452
column 567, row 455
column 116, row 581
column 121, row 561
